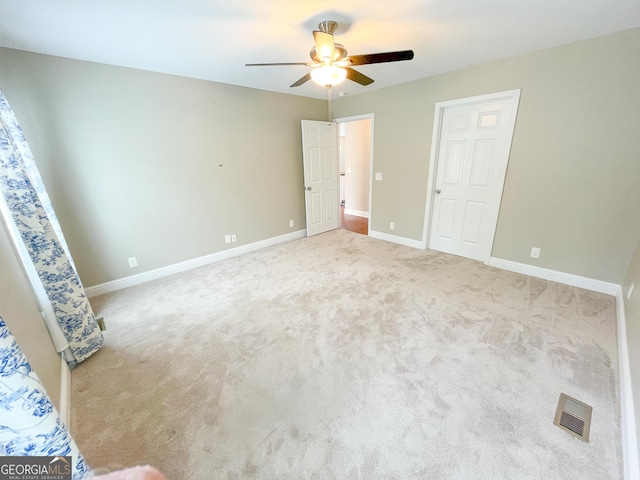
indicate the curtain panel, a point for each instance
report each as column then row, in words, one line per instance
column 29, row 423
column 32, row 213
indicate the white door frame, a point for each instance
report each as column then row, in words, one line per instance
column 435, row 147
column 355, row 118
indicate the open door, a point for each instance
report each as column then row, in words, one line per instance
column 320, row 159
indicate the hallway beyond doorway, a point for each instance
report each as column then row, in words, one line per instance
column 354, row 223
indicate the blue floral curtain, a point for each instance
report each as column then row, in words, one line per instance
column 29, row 423
column 31, row 211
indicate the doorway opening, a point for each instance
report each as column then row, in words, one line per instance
column 355, row 151
column 354, row 223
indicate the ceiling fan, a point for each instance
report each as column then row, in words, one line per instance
column 330, row 62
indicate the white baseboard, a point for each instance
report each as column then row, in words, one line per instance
column 357, row 213
column 407, row 242
column 144, row 277
column 628, row 419
column 65, row 393
column 555, row 276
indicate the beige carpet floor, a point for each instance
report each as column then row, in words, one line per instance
column 344, row 357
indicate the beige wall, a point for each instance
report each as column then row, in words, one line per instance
column 357, row 155
column 20, row 311
column 632, row 316
column 161, row 167
column 572, row 185
column 157, row 166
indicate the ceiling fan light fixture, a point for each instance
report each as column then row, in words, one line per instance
column 331, row 64
column 328, row 75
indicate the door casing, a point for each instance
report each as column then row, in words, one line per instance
column 355, row 118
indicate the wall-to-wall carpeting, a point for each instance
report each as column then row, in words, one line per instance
column 344, row 357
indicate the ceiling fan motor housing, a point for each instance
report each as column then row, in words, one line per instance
column 328, row 26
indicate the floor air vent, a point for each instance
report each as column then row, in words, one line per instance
column 573, row 417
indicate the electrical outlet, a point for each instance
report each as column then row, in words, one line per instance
column 392, row 225
column 535, row 252
column 630, row 291
column 378, row 175
column 233, row 237
column 133, row 262
column 291, row 223
column 227, row 239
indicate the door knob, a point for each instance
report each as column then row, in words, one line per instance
column 438, row 192
column 308, row 188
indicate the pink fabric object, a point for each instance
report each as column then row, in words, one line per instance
column 146, row 472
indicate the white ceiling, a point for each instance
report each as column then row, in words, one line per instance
column 213, row 39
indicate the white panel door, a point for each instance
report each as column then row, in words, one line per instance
column 320, row 158
column 472, row 154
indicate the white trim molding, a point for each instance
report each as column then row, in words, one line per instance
column 65, row 393
column 357, row 213
column 631, row 464
column 555, row 276
column 407, row 242
column 162, row 272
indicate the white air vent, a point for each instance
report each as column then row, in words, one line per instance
column 573, row 417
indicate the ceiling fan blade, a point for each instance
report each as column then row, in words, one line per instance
column 380, row 57
column 304, row 79
column 358, row 77
column 274, row 64
column 325, row 47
